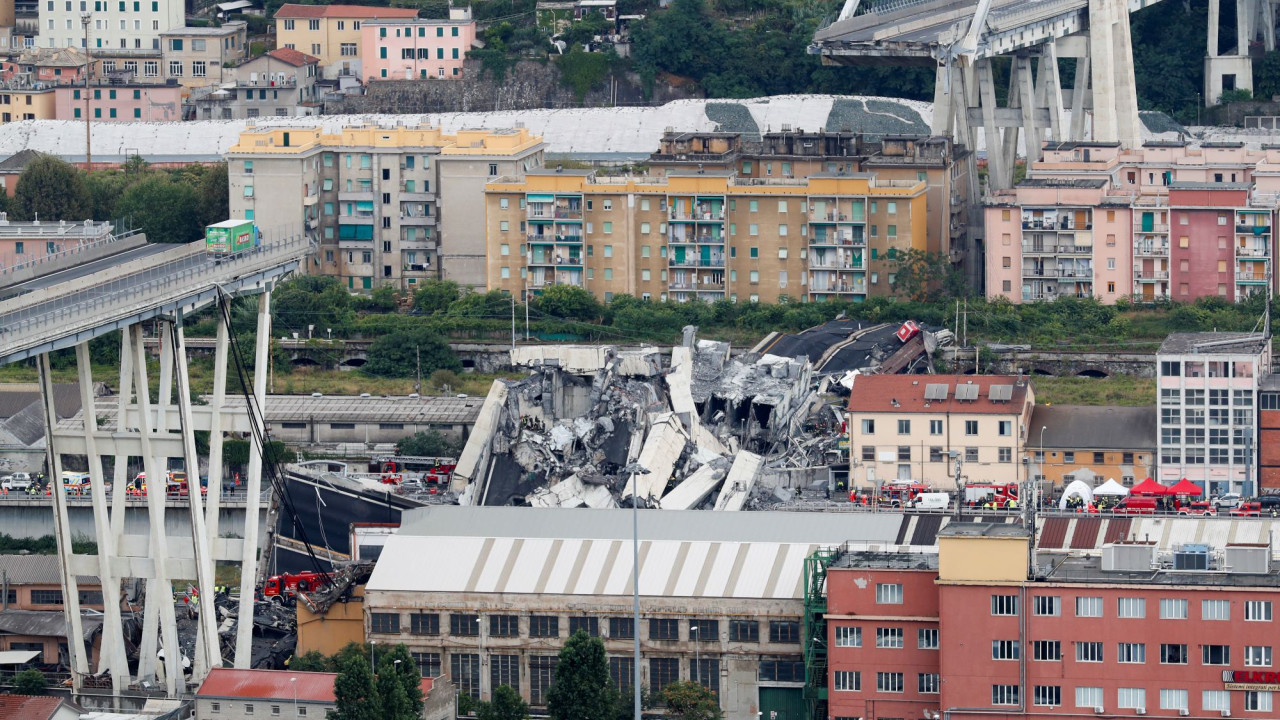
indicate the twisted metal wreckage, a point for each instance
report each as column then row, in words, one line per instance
column 712, row 431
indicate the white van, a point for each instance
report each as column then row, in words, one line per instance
column 932, row 501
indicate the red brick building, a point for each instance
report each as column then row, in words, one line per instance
column 1131, row 632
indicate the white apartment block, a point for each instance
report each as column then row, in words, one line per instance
column 1208, row 419
column 112, row 24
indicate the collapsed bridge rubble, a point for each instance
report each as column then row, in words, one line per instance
column 709, row 430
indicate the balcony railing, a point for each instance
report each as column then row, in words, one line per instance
column 1250, row 278
column 1151, row 251
column 1150, row 275
column 1039, row 249
column 1085, row 274
column 846, row 240
column 835, row 266
column 1253, row 229
column 1139, row 228
column 698, row 262
column 832, row 218
column 570, row 261
column 1054, row 225
column 696, row 216
column 697, row 240
column 1253, row 252
column 568, row 214
column 837, row 289
column 551, row 239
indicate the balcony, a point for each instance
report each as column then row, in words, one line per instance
column 1151, row 250
column 1060, row 224
column 1082, row 274
column 568, row 214
column 1255, row 230
column 826, row 265
column 417, row 220
column 1250, row 278
column 698, row 240
column 1253, row 253
column 310, row 200
column 540, row 214
column 558, row 261
column 366, row 195
column 837, row 289
column 411, row 196
column 554, row 239
column 839, row 240
column 695, row 262
column 1150, row 275
column 674, row 216
column 832, row 218
column 1155, row 228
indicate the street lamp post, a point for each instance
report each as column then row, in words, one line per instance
column 293, row 683
column 634, row 469
column 88, row 67
column 695, row 634
column 480, row 650
column 373, row 652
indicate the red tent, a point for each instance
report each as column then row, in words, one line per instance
column 1149, row 487
column 1185, row 487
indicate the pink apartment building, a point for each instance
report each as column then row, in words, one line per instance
column 1167, row 221
column 120, row 103
column 417, row 49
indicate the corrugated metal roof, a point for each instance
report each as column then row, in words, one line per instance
column 1053, row 532
column 35, row 570
column 1117, row 530
column 576, row 566
column 422, row 410
column 268, row 685
column 1082, row 427
column 41, row 623
column 1085, row 536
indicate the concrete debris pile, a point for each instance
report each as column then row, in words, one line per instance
column 274, row 628
column 697, row 435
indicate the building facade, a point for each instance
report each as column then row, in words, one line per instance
column 702, row 234
column 417, row 49
column 1126, row 632
column 388, row 206
column 200, row 56
column 914, row 428
column 132, row 24
column 25, row 242
column 1092, row 444
column 120, row 103
column 27, row 104
column 280, row 83
column 1167, row 221
column 331, row 33
column 1208, row 384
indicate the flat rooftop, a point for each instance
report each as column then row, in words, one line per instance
column 1210, row 343
column 983, row 529
column 866, row 560
column 1089, row 570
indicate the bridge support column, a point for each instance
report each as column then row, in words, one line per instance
column 253, row 486
column 1115, row 93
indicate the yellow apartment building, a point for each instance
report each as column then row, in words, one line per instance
column 386, row 206
column 701, row 234
column 331, row 32
column 26, row 104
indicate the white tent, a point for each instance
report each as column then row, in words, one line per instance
column 1111, row 488
column 1078, row 488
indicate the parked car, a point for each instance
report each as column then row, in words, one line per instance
column 1229, row 500
column 1246, row 509
column 1269, row 504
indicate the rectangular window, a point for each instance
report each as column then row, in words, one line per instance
column 664, row 629
column 749, row 631
column 1004, row 694
column 544, row 626
column 929, row 683
column 784, row 631
column 1089, row 697
column 1215, row 609
column 622, row 672
column 1129, row 607
column 424, row 624
column 889, row 682
column 1088, row 652
column 588, row 625
column 1048, row 605
column 663, row 672
column 970, row 427
column 622, row 628
column 504, row 625
column 888, row 593
column 1005, row 650
column 904, row 427
column 463, row 624
column 1215, row 654
column 1047, row 695
column 847, row 681
column 1257, row 611
column 1257, row 656
column 1173, row 654
column 889, row 638
column 1131, row 698
column 935, row 427
column 1004, row 604
column 46, row 597
column 1257, row 701
column 504, row 670
column 1216, row 700
column 1132, row 653
column 848, row 636
column 1173, row 609
column 1046, row 650
column 927, row 638
column 542, row 670
column 384, row 622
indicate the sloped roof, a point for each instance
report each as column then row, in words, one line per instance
column 1085, row 427
column 879, row 393
column 19, row 161
column 52, row 57
column 36, row 570
column 274, row 685
column 30, row 707
column 291, row 10
column 45, row 623
column 293, row 57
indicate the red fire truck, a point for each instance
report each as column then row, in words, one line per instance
column 289, row 584
column 998, row 494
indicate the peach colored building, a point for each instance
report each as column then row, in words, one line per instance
column 331, row 32
column 1168, row 221
column 120, row 103
column 417, row 49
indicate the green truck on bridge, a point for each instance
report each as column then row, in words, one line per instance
column 230, row 236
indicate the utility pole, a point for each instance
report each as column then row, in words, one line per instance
column 417, row 352
column 513, row 322
column 88, row 68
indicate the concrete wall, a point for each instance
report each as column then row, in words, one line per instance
column 329, row 632
column 36, row 520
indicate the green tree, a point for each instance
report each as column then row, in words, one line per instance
column 429, row 443
column 581, row 687
column 399, row 684
column 235, row 453
column 568, row 301
column 690, row 701
column 214, row 191
column 435, row 296
column 30, row 682
column 319, row 301
column 50, row 189
column 924, row 276
column 505, row 705
column 105, row 188
column 311, row 661
column 355, row 693
column 398, row 355
column 166, row 210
